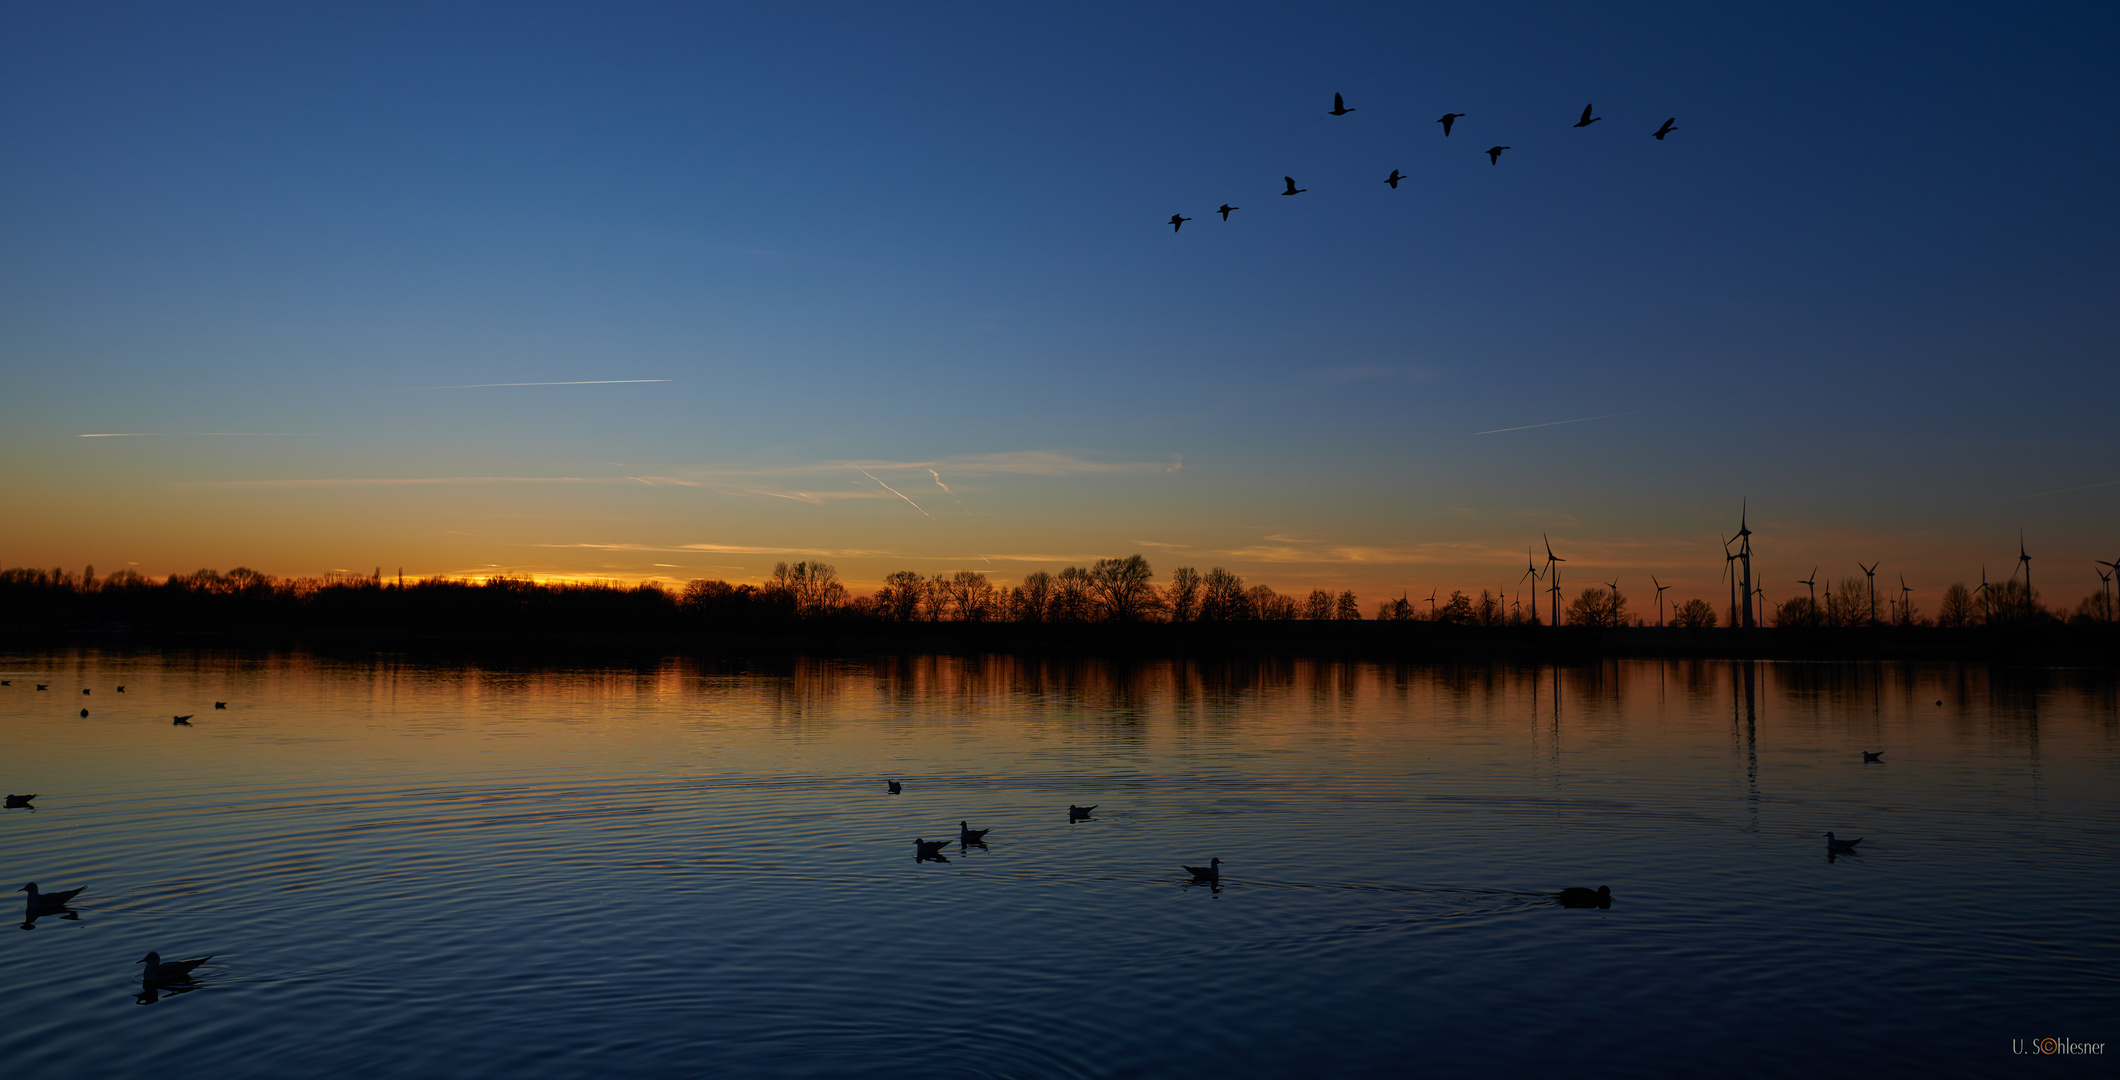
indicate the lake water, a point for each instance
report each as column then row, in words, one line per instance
column 689, row 868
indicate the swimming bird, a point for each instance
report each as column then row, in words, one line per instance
column 1878, row 756
column 121, row 689
column 928, row 849
column 84, row 712
column 895, row 786
column 43, row 686
column 7, row 682
column 1668, row 128
column 220, row 704
column 1074, row 813
column 1579, row 897
column 1177, row 222
column 1339, row 106
column 1394, row 179
column 17, row 802
column 51, row 901
column 159, row 973
column 1224, row 210
column 1292, row 190
column 1834, row 843
column 968, row 835
column 1448, row 119
column 182, row 721
column 84, row 690
column 1494, row 154
column 1211, row 873
column 1587, row 119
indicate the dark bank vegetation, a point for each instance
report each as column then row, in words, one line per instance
column 1110, row 602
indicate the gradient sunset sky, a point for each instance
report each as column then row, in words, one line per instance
column 671, row 291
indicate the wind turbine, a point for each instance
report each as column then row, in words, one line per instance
column 1728, row 573
column 1985, row 592
column 1431, row 605
column 1531, row 571
column 1612, row 602
column 1553, row 577
column 1812, row 582
column 2029, row 604
column 1660, row 587
column 1871, row 570
column 2114, row 568
column 1906, row 616
column 1744, row 552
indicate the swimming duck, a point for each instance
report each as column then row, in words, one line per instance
column 51, row 901
column 1078, row 813
column 968, row 835
column 1834, row 843
column 1580, row 897
column 159, row 973
column 1211, row 873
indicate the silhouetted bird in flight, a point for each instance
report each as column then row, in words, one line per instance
column 1292, row 190
column 1834, row 843
column 1394, row 179
column 220, row 704
column 1877, row 757
column 1177, row 222
column 1224, row 210
column 895, row 786
column 1587, row 119
column 1211, row 873
column 1579, row 898
column 51, row 901
column 160, row 974
column 182, row 721
column 1494, row 154
column 1448, row 119
column 968, row 835
column 1339, row 106
column 17, row 802
column 1074, row 813
column 1668, row 128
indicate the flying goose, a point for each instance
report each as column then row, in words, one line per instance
column 1394, row 179
column 1587, row 119
column 1339, row 106
column 1178, row 222
column 1669, row 127
column 1448, row 119
column 1292, row 190
column 1494, row 154
column 1224, row 210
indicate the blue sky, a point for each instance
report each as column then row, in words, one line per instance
column 1865, row 284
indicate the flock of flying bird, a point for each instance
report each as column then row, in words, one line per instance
column 159, row 974
column 1448, row 119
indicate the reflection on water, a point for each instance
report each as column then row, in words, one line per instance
column 418, row 869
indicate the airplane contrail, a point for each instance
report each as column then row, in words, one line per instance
column 896, row 492
column 2063, row 491
column 576, row 382
column 939, row 483
column 1577, row 420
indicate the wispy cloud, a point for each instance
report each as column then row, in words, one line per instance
column 416, row 481
column 571, row 382
column 1577, row 420
column 2066, row 490
column 178, row 434
column 733, row 549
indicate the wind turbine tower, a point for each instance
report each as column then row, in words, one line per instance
column 1660, row 587
column 1553, row 578
column 1744, row 553
column 1871, row 570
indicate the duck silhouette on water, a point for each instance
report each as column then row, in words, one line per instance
column 1876, row 757
column 1074, row 813
column 925, row 850
column 48, row 903
column 1210, row 874
column 18, row 802
column 182, row 721
column 1837, row 846
column 167, row 973
column 1601, row 897
column 967, row 836
column 895, row 787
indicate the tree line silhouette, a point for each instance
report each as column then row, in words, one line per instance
column 1110, row 592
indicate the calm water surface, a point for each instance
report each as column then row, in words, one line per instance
column 404, row 869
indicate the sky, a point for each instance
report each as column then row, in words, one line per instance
column 659, row 292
